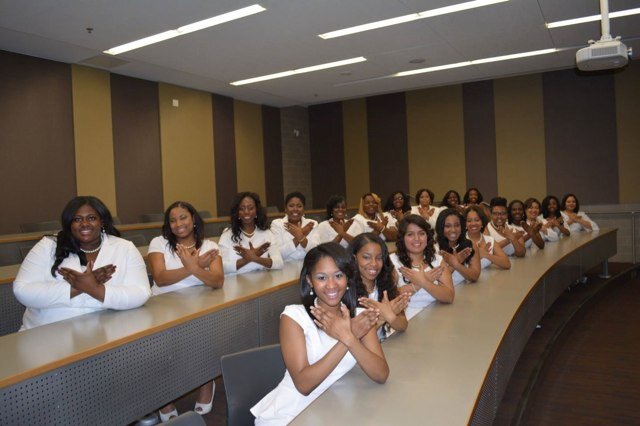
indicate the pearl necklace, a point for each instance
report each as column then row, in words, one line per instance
column 191, row 246
column 249, row 235
column 95, row 250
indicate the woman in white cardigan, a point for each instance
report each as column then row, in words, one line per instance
column 575, row 219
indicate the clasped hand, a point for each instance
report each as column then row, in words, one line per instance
column 251, row 254
column 89, row 279
column 378, row 225
column 341, row 326
column 191, row 258
column 388, row 309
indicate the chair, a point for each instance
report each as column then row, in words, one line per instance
column 272, row 209
column 138, row 240
column 205, row 214
column 51, row 225
column 190, row 418
column 248, row 376
column 152, row 217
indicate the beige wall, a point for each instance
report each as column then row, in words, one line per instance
column 95, row 171
column 249, row 148
column 520, row 144
column 356, row 150
column 186, row 139
column 628, row 121
column 435, row 135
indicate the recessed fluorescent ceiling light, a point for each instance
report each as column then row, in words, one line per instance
column 475, row 62
column 411, row 17
column 299, row 71
column 592, row 18
column 186, row 29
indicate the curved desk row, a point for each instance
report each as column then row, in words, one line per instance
column 453, row 364
column 113, row 367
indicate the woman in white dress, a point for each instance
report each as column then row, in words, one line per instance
column 248, row 245
column 489, row 251
column 398, row 205
column 575, row 219
column 518, row 222
column 510, row 240
column 292, row 231
column 551, row 212
column 322, row 339
column 337, row 227
column 455, row 248
column 420, row 271
column 376, row 285
column 181, row 258
column 536, row 221
column 370, row 218
column 424, row 198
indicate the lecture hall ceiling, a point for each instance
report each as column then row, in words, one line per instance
column 285, row 37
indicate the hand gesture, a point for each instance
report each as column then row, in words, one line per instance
column 307, row 228
column 362, row 323
column 398, row 215
column 295, row 230
column 337, row 326
column 81, row 281
column 188, row 257
column 384, row 307
column 204, row 260
column 104, row 273
column 483, row 248
column 426, row 212
column 463, row 254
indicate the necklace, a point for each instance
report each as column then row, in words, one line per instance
column 249, row 235
column 95, row 250
column 479, row 239
column 315, row 303
column 191, row 246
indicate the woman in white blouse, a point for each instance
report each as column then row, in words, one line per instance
column 489, row 251
column 575, row 219
column 551, row 212
column 430, row 213
column 536, row 221
column 181, row 258
column 292, row 231
column 248, row 245
column 370, row 218
column 337, row 227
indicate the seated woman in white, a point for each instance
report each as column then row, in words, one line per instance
column 518, row 222
column 551, row 212
column 181, row 258
column 489, row 251
column 322, row 339
column 451, row 200
column 511, row 241
column 370, row 218
column 456, row 250
column 85, row 268
column 397, row 206
column 575, row 219
column 473, row 197
column 419, row 268
column 430, row 213
column 537, row 222
column 292, row 231
column 377, row 287
column 248, row 245
column 337, row 227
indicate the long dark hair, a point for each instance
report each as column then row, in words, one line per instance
column 384, row 281
column 465, row 198
column 65, row 243
column 198, row 229
column 445, row 199
column 406, row 202
column 483, row 217
column 545, row 206
column 510, row 216
column 401, row 249
column 344, row 264
column 332, row 202
column 236, row 225
column 462, row 243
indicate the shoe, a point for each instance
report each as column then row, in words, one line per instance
column 203, row 409
column 165, row 417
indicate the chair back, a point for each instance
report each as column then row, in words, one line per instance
column 248, row 376
column 51, row 225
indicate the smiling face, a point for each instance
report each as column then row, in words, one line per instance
column 473, row 196
column 370, row 206
column 425, row 199
column 369, row 260
column 86, row 226
column 452, row 229
column 453, row 199
column 181, row 223
column 415, row 240
column 499, row 216
column 570, row 204
column 517, row 212
column 474, row 223
column 329, row 283
column 398, row 201
column 247, row 211
column 552, row 208
column 339, row 212
column 294, row 210
column 533, row 211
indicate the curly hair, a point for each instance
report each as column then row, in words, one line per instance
column 465, row 198
column 236, row 225
column 406, row 202
column 483, row 217
column 429, row 253
column 65, row 243
column 445, row 199
column 198, row 229
column 332, row 202
column 384, row 280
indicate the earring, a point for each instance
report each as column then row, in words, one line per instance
column 311, row 291
column 347, row 287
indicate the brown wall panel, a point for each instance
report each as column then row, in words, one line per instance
column 628, row 113
column 136, row 147
column 224, row 152
column 36, row 140
column 580, row 135
column 480, row 138
column 327, row 152
column 272, row 156
column 388, row 151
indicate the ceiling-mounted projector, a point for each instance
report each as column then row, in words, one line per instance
column 606, row 53
column 602, row 55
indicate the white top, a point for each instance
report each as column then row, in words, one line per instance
column 421, row 298
column 48, row 299
column 577, row 227
column 518, row 228
column 282, row 404
column 548, row 235
column 433, row 218
column 230, row 257
column 361, row 225
column 484, row 262
column 323, row 233
column 172, row 261
column 509, row 250
column 284, row 239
